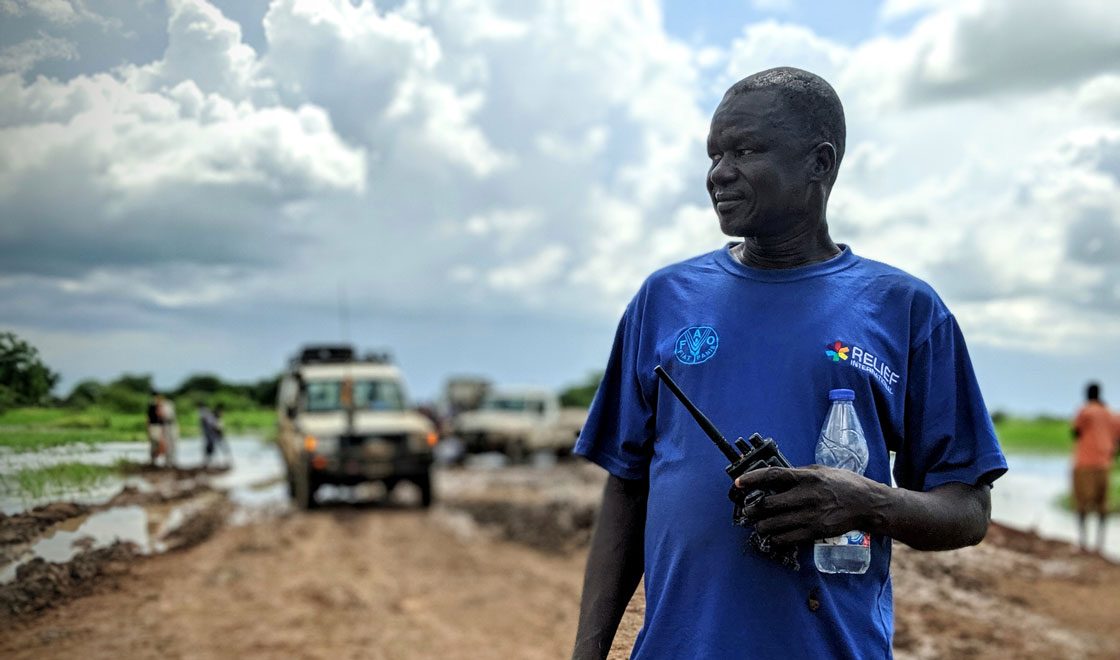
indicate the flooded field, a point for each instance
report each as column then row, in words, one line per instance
column 215, row 563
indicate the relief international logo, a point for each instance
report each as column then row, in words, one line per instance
column 837, row 351
column 859, row 357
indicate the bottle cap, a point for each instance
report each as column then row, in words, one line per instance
column 841, row 395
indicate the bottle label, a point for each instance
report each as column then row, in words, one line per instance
column 851, row 538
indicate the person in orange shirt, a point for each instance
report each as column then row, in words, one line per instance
column 1095, row 431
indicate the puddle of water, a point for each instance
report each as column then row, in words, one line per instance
column 98, row 530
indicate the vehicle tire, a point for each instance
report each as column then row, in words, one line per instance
column 516, row 452
column 424, row 483
column 303, row 491
column 389, row 485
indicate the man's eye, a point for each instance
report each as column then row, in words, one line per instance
column 743, row 152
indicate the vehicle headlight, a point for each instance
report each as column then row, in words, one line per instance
column 421, row 442
column 321, row 444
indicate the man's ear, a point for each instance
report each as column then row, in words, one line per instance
column 822, row 165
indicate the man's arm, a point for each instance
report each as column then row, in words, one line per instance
column 818, row 502
column 614, row 565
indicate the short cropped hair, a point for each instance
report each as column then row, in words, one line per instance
column 808, row 96
column 1093, row 392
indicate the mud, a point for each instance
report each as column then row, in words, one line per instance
column 40, row 584
column 19, row 531
column 494, row 570
column 177, row 512
column 24, row 527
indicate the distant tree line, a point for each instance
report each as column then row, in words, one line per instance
column 130, row 392
column 25, row 380
column 581, row 394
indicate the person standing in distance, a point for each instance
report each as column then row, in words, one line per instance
column 1095, row 430
column 156, row 443
column 757, row 333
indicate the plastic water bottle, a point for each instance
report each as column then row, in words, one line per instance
column 843, row 445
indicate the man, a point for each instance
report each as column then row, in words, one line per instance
column 156, row 443
column 170, row 431
column 757, row 333
column 220, row 441
column 208, row 426
column 1094, row 435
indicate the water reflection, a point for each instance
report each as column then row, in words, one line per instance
column 98, row 530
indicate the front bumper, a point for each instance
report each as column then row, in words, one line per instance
column 482, row 441
column 356, row 465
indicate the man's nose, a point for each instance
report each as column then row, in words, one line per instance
column 721, row 173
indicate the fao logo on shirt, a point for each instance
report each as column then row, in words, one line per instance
column 697, row 344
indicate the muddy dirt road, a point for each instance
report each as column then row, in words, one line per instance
column 495, row 572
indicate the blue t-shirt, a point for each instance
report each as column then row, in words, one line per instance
column 758, row 351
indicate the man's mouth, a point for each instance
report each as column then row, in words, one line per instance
column 725, row 200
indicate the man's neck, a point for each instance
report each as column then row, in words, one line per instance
column 791, row 251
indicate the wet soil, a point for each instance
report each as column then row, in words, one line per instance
column 164, row 485
column 494, row 570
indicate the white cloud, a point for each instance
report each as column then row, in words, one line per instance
column 21, row 57
column 154, row 176
column 205, row 49
column 769, row 44
column 493, row 157
column 988, row 48
column 59, row 12
column 1101, row 95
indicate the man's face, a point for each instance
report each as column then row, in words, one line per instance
column 758, row 175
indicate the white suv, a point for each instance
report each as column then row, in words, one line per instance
column 345, row 420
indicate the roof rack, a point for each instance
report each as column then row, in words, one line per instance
column 336, row 354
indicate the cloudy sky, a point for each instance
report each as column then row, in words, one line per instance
column 194, row 186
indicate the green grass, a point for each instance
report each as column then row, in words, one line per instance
column 57, row 479
column 45, row 438
column 1042, row 435
column 31, row 429
column 1066, row 501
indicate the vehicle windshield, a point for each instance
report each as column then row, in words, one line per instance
column 514, row 404
column 326, row 395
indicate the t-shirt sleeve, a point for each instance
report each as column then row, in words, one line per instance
column 948, row 433
column 1079, row 421
column 619, row 431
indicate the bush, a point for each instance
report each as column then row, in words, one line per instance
column 580, row 396
column 124, row 400
column 24, row 379
column 86, row 393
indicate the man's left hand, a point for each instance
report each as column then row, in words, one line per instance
column 810, row 503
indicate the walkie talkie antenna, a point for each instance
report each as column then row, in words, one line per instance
column 701, row 419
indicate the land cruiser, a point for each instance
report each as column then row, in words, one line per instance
column 518, row 422
column 344, row 420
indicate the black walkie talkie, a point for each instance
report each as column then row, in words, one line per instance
column 746, row 455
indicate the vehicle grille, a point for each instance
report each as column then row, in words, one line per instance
column 348, row 442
